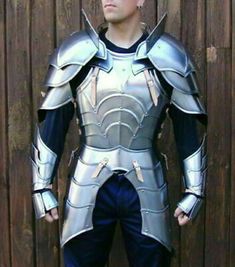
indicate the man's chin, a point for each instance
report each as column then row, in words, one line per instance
column 112, row 19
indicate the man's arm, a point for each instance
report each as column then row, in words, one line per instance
column 193, row 163
column 47, row 149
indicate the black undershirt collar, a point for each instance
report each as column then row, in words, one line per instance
column 111, row 46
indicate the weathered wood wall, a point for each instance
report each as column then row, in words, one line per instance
column 29, row 31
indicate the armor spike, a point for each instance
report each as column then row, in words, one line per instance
column 89, row 29
column 156, row 33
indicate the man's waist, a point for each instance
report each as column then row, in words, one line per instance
column 119, row 157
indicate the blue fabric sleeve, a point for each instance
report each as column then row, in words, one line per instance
column 185, row 132
column 54, row 128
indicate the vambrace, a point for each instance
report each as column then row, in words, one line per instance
column 43, row 161
column 194, row 169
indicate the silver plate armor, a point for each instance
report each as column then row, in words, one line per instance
column 194, row 181
column 119, row 112
column 43, row 161
column 43, row 202
column 120, row 104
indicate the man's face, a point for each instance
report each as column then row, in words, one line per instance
column 116, row 11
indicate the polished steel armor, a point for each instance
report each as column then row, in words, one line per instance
column 43, row 161
column 194, row 181
column 120, row 104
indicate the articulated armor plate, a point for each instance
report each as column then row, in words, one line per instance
column 194, row 181
column 43, row 202
column 119, row 117
column 43, row 161
column 121, row 104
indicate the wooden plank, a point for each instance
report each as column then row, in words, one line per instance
column 173, row 9
column 219, row 149
column 193, row 36
column 167, row 142
column 4, row 186
column 232, row 201
column 94, row 12
column 67, row 18
column 219, row 134
column 218, row 14
column 19, row 129
column 149, row 13
column 42, row 45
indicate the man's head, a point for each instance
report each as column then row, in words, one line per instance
column 117, row 11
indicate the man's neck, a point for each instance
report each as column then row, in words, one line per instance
column 126, row 33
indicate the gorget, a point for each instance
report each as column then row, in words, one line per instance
column 120, row 113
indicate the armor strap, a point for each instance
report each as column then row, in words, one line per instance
column 138, row 171
column 99, row 167
column 94, row 85
column 151, row 87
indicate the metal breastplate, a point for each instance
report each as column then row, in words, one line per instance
column 117, row 108
column 119, row 115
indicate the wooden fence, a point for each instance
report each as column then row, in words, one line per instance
column 29, row 31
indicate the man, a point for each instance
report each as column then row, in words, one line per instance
column 121, row 83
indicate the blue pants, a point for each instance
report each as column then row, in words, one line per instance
column 116, row 200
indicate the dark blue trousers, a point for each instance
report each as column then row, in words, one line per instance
column 116, row 200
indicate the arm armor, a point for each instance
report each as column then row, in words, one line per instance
column 194, row 176
column 65, row 63
column 43, row 161
column 174, row 63
column 43, row 201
